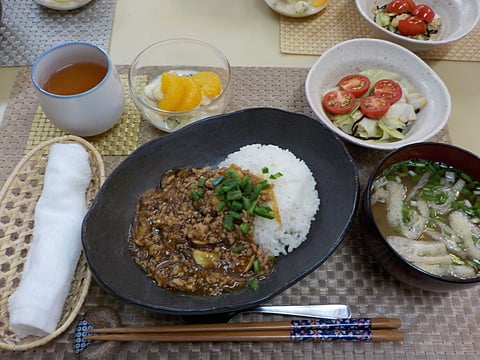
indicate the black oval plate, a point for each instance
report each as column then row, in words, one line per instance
column 207, row 142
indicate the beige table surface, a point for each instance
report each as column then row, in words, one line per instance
column 247, row 31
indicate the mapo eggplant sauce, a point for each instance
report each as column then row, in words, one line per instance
column 180, row 240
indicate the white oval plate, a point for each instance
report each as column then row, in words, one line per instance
column 287, row 9
column 63, row 5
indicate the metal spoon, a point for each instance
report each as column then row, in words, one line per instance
column 332, row 311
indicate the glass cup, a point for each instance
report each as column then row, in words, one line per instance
column 182, row 57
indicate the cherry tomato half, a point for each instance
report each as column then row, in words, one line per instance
column 374, row 107
column 338, row 102
column 412, row 26
column 400, row 6
column 387, row 89
column 357, row 84
column 424, row 12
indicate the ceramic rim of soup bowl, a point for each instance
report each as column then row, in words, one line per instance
column 388, row 257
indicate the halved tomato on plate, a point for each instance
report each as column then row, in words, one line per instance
column 424, row 12
column 412, row 26
column 374, row 107
column 338, row 102
column 357, row 84
column 400, row 6
column 388, row 89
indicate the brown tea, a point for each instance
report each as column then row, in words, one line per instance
column 75, row 78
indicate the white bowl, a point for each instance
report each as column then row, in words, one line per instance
column 287, row 8
column 63, row 5
column 355, row 55
column 87, row 113
column 458, row 17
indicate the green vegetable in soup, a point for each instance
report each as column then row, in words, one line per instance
column 429, row 212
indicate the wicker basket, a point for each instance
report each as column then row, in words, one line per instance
column 18, row 199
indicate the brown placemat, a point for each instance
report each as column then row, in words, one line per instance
column 340, row 21
column 436, row 326
column 122, row 139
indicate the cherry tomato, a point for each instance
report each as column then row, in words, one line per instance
column 387, row 89
column 424, row 12
column 357, row 84
column 339, row 102
column 374, row 107
column 412, row 26
column 400, row 6
column 411, row 4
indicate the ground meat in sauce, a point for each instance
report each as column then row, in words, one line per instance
column 182, row 243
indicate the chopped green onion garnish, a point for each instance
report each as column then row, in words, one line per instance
column 258, row 188
column 456, row 260
column 253, row 284
column 246, row 203
column 253, row 204
column 236, row 206
column 197, row 194
column 228, row 221
column 244, row 228
column 257, row 266
column 276, row 175
column 263, row 212
column 236, row 215
column 238, row 248
column 234, row 195
column 228, row 185
column 220, row 206
column 237, row 194
column 246, row 185
column 233, row 174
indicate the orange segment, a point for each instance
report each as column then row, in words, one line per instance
column 173, row 92
column 184, row 93
column 318, row 3
column 192, row 95
column 209, row 82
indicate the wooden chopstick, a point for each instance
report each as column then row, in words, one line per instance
column 358, row 323
column 374, row 329
column 257, row 336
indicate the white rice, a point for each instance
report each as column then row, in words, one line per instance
column 295, row 194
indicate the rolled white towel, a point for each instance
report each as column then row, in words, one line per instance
column 36, row 306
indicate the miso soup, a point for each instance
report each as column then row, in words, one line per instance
column 429, row 212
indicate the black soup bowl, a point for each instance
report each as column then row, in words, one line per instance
column 205, row 143
column 385, row 254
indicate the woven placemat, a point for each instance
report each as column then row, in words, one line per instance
column 340, row 21
column 436, row 326
column 27, row 29
column 122, row 139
